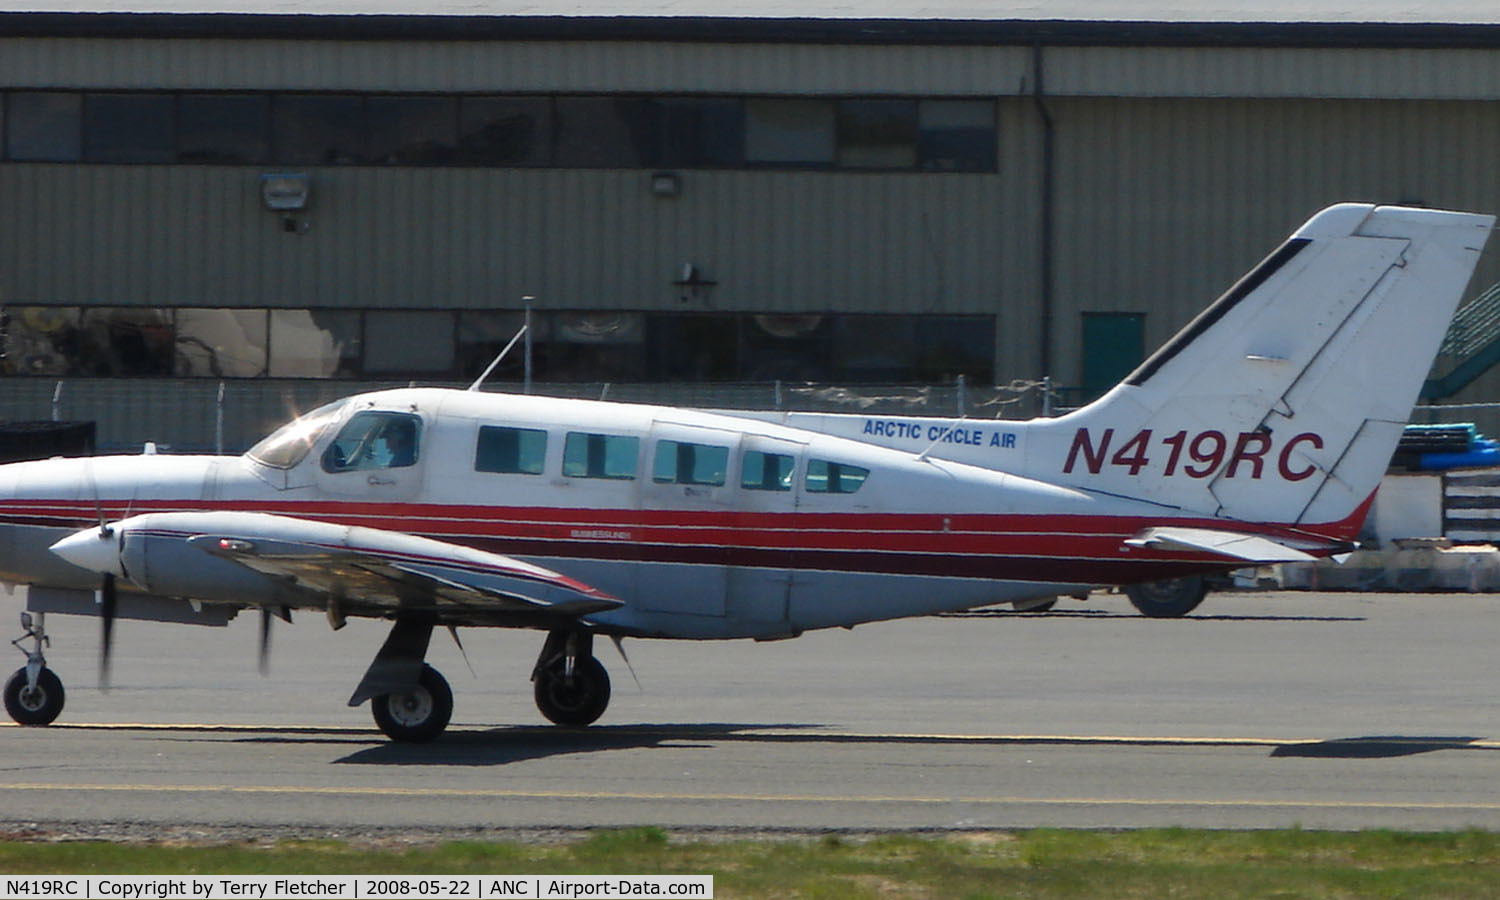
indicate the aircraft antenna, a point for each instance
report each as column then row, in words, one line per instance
column 947, row 430
column 491, row 367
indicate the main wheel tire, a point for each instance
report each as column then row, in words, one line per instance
column 40, row 705
column 416, row 715
column 1169, row 599
column 579, row 702
column 1038, row 606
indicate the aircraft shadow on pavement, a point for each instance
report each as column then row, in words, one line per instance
column 499, row 746
column 1378, row 747
column 1115, row 615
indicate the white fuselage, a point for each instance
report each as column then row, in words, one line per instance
column 768, row 531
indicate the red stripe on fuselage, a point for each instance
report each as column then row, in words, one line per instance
column 1071, row 549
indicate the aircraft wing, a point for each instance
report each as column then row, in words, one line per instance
column 500, row 584
column 1232, row 545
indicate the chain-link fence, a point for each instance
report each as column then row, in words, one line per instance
column 201, row 415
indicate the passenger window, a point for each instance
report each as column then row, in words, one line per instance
column 519, row 451
column 824, row 477
column 682, row 463
column 599, row 455
column 766, row 471
column 374, row 440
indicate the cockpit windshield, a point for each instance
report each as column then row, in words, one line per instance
column 374, row 440
column 290, row 444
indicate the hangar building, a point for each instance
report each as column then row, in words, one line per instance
column 256, row 205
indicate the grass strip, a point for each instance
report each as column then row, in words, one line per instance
column 1159, row 863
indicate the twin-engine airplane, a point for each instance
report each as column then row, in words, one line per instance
column 1258, row 434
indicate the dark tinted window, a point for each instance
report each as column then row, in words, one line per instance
column 505, row 131
column 603, row 132
column 128, row 128
column 223, row 128
column 691, row 132
column 412, row 131
column 789, row 132
column 786, row 347
column 877, row 134
column 318, row 129
column 693, row 348
column 44, row 127
column 957, row 135
column 409, row 341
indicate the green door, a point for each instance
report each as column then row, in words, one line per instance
column 1113, row 345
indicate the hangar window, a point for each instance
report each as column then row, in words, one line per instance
column 125, row 128
column 789, row 132
column 602, row 132
column 413, row 131
column 697, row 132
column 224, row 129
column 956, row 135
column 766, row 471
column 314, row 343
column 375, row 440
column 877, row 134
column 319, row 129
column 44, row 126
column 678, row 462
column 505, row 131
column 600, row 455
column 39, row 340
column 408, row 341
column 221, row 343
column 825, row 477
column 517, row 451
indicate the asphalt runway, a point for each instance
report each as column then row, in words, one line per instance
column 1261, row 710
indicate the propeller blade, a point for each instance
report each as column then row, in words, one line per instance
column 265, row 640
column 108, row 606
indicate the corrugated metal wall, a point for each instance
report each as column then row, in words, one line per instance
column 1176, row 170
column 1162, row 204
column 774, row 241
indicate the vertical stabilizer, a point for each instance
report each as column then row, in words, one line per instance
column 1283, row 401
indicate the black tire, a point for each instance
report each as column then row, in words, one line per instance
column 579, row 702
column 418, row 715
column 1042, row 607
column 39, row 706
column 1169, row 599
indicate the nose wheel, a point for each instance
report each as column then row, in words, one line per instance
column 33, row 693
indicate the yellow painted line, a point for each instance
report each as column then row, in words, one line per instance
column 386, row 792
column 810, row 735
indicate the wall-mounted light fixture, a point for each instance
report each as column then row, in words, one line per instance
column 666, row 184
column 287, row 193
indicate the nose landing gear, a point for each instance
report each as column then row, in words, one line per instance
column 33, row 693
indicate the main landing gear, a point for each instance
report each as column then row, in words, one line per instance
column 33, row 693
column 571, row 686
column 411, row 702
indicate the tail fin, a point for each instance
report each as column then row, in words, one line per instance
column 1284, row 400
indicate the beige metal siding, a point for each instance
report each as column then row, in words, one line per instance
column 775, row 241
column 511, row 66
column 1164, row 203
column 1349, row 73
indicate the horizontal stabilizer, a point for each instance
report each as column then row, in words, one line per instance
column 1251, row 548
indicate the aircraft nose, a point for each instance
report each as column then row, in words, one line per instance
column 94, row 549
